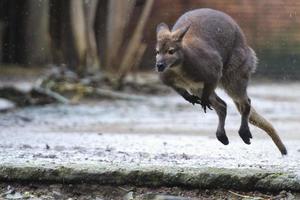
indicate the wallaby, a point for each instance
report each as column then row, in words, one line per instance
column 204, row 49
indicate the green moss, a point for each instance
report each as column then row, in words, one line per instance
column 239, row 179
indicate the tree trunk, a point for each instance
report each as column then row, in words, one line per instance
column 132, row 53
column 68, row 35
column 100, row 30
column 12, row 13
column 56, row 17
column 90, row 8
column 119, row 13
column 24, row 31
column 78, row 31
column 1, row 40
column 35, row 33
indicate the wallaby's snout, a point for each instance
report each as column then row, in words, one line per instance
column 160, row 66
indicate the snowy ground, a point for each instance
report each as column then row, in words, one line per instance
column 159, row 131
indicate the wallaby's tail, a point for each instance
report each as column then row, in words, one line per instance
column 260, row 122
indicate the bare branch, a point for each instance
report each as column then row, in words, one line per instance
column 135, row 42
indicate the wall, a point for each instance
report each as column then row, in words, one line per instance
column 271, row 28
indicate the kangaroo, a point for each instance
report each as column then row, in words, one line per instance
column 206, row 48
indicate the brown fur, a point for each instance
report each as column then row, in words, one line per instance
column 204, row 49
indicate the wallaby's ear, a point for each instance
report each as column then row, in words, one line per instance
column 162, row 27
column 179, row 33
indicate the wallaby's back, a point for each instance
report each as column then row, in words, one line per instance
column 219, row 31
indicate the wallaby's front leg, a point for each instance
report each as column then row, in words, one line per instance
column 187, row 96
column 206, row 93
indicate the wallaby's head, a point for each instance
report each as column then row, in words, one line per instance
column 169, row 51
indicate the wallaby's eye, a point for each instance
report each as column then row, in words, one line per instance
column 171, row 51
column 156, row 52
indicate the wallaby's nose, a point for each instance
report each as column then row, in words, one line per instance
column 160, row 66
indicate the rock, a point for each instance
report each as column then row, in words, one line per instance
column 285, row 195
column 164, row 197
column 10, row 190
column 6, row 105
column 57, row 195
column 128, row 196
column 16, row 195
column 27, row 195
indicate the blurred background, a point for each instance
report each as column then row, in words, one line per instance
column 119, row 36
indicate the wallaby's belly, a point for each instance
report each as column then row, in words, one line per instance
column 180, row 79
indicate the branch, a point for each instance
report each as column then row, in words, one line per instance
column 135, row 42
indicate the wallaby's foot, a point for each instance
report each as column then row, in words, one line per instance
column 245, row 134
column 221, row 135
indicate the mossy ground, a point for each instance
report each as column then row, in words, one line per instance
column 201, row 178
column 93, row 191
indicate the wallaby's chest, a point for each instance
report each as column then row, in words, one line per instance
column 183, row 80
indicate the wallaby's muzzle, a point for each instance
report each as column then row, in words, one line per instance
column 160, row 66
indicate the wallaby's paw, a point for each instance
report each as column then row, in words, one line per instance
column 205, row 103
column 194, row 99
column 245, row 134
column 221, row 135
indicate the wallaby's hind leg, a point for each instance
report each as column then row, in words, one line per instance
column 235, row 81
column 221, row 109
column 235, row 84
column 244, row 107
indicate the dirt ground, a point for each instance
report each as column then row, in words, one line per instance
column 89, row 192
